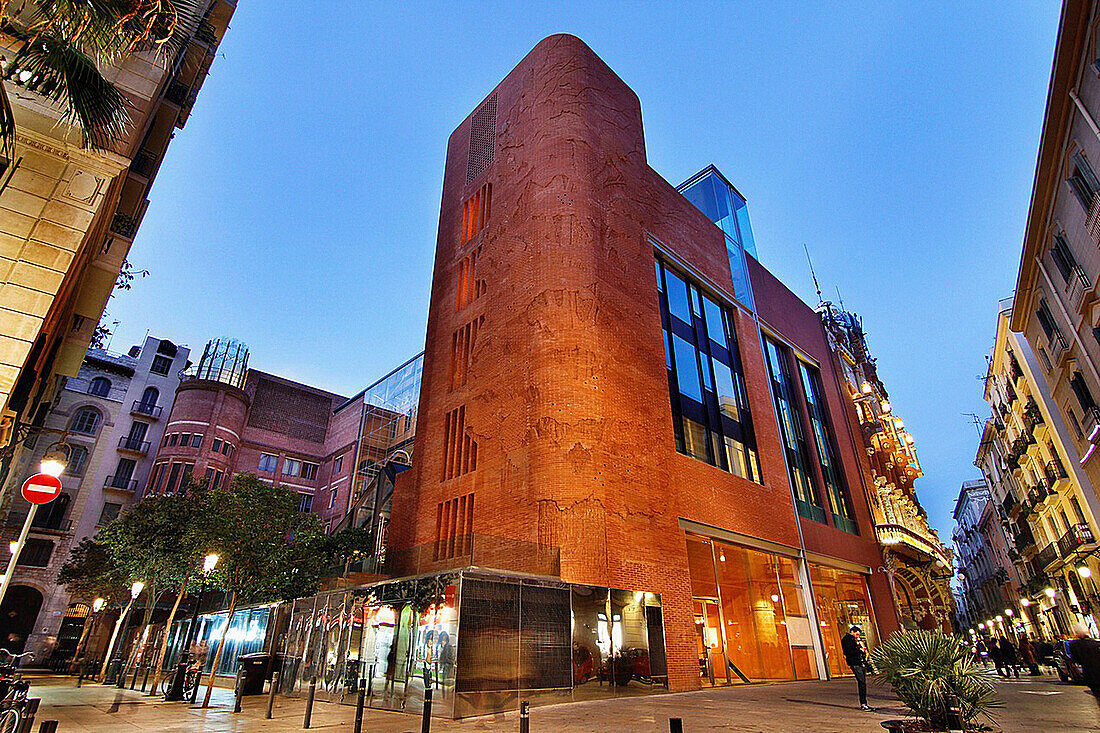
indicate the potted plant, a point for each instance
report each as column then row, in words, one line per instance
column 935, row 676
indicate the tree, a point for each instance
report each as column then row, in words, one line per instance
column 269, row 550
column 159, row 541
column 60, row 45
column 90, row 573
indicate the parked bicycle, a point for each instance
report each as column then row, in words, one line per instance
column 191, row 678
column 13, row 691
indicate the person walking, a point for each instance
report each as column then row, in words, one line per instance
column 1008, row 657
column 995, row 656
column 1085, row 651
column 1028, row 655
column 855, row 654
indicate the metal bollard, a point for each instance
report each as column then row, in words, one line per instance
column 271, row 695
column 29, row 711
column 524, row 717
column 145, row 679
column 48, row 726
column 360, row 699
column 309, row 700
column 133, row 682
column 237, row 689
column 426, row 721
column 675, row 725
column 80, row 677
column 120, row 675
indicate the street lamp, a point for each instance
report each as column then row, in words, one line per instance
column 55, row 460
column 13, row 546
column 1084, row 571
column 1025, row 602
column 209, row 562
column 135, row 590
column 1049, row 592
column 98, row 604
column 175, row 690
column 1008, row 612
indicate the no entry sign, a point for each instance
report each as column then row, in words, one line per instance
column 41, row 488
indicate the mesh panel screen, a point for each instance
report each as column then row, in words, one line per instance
column 544, row 638
column 483, row 138
column 488, row 653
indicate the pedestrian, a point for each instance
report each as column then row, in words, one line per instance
column 1028, row 655
column 855, row 654
column 995, row 656
column 1008, row 657
column 1085, row 651
column 981, row 653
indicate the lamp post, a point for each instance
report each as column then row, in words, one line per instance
column 175, row 690
column 52, row 465
column 135, row 591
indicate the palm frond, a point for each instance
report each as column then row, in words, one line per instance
column 7, row 126
column 61, row 72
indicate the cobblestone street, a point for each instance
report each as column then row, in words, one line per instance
column 1041, row 704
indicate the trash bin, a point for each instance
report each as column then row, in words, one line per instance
column 253, row 672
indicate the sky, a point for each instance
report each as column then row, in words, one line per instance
column 297, row 210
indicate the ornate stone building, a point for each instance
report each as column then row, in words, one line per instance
column 915, row 559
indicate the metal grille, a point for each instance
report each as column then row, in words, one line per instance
column 483, row 138
column 544, row 638
column 488, row 652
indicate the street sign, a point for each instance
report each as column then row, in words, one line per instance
column 41, row 488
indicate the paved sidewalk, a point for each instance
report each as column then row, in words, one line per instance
column 1041, row 704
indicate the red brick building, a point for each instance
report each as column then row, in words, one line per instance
column 684, row 436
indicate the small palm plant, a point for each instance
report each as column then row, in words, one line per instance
column 932, row 672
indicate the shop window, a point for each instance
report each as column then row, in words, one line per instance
column 790, row 427
column 459, row 449
column 712, row 420
column 841, row 601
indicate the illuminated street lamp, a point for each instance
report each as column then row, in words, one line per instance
column 209, row 562
column 98, row 604
column 175, row 690
column 1025, row 602
column 1008, row 612
column 1084, row 571
column 13, row 546
column 1049, row 592
column 55, row 460
column 135, row 590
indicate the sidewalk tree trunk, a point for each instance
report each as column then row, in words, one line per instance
column 163, row 651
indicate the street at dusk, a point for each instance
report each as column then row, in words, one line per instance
column 477, row 366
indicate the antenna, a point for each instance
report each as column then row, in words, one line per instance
column 111, row 337
column 813, row 274
column 979, row 424
column 838, row 298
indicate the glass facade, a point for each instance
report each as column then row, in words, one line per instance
column 790, row 426
column 840, row 503
column 751, row 622
column 245, row 635
column 720, row 202
column 521, row 638
column 842, row 601
column 710, row 407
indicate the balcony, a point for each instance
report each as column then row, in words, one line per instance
column 146, row 410
column 121, row 483
column 1010, row 504
column 133, row 445
column 1079, row 537
column 1046, row 557
column 144, row 163
column 1024, row 540
column 1057, row 348
column 179, row 94
column 124, row 226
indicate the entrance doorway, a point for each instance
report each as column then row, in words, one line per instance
column 17, row 616
column 708, row 638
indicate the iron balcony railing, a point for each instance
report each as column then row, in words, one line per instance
column 144, row 163
column 134, row 445
column 1077, row 537
column 124, row 225
column 146, row 409
column 1046, row 556
column 120, row 482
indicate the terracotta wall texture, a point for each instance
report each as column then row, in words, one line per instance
column 566, row 394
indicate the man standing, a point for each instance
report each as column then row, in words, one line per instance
column 855, row 654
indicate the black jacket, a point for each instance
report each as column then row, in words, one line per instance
column 854, row 653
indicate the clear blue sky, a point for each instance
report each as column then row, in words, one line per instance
column 297, row 210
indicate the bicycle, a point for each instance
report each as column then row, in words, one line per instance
column 13, row 692
column 191, row 678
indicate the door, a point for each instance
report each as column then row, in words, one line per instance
column 708, row 638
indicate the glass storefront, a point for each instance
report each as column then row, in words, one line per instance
column 842, row 602
column 550, row 640
column 245, row 635
column 751, row 624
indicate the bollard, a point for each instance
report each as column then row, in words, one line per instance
column 426, row 721
column 145, row 679
column 360, row 699
column 48, row 726
column 120, row 675
column 271, row 695
column 29, row 711
column 524, row 717
column 370, row 683
column 675, row 725
column 309, row 700
column 80, row 677
column 133, row 682
column 237, row 689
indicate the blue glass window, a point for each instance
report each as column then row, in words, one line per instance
column 677, row 296
column 835, row 490
column 687, row 368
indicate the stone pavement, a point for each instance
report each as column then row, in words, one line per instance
column 1036, row 704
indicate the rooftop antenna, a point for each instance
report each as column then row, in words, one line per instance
column 838, row 298
column 111, row 336
column 979, row 424
column 813, row 274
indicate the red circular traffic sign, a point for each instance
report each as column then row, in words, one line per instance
column 41, row 488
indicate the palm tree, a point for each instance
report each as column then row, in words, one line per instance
column 60, row 45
